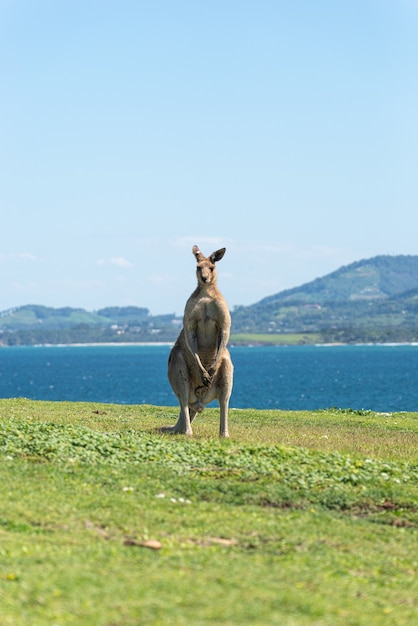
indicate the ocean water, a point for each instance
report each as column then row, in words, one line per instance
column 379, row 377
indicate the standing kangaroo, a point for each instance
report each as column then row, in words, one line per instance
column 200, row 369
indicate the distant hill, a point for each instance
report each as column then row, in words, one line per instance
column 37, row 324
column 381, row 277
column 34, row 316
column 369, row 300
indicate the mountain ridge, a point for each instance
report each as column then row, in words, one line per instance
column 373, row 299
column 369, row 300
column 378, row 275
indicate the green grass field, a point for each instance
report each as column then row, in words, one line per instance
column 300, row 518
column 275, row 339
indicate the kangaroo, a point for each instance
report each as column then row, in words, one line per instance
column 200, row 369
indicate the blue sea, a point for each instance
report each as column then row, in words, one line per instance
column 377, row 377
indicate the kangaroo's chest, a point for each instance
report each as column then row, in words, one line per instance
column 205, row 311
column 205, row 320
column 206, row 316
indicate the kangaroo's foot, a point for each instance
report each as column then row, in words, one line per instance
column 175, row 430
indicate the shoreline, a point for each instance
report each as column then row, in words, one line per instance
column 104, row 343
column 233, row 345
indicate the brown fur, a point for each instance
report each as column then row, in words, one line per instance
column 200, row 369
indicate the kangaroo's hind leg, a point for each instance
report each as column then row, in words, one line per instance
column 183, row 424
column 179, row 379
column 224, row 390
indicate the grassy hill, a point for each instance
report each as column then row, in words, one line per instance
column 370, row 300
column 33, row 316
column 378, row 278
column 36, row 324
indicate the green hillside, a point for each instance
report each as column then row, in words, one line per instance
column 36, row 324
column 370, row 300
column 34, row 316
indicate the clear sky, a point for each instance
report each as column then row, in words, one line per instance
column 285, row 130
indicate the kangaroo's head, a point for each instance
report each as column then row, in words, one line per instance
column 206, row 268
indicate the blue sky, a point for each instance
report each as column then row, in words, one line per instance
column 286, row 131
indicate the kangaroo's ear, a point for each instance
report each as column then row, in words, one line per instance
column 199, row 256
column 217, row 256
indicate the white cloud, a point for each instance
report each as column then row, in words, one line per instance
column 20, row 256
column 115, row 261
